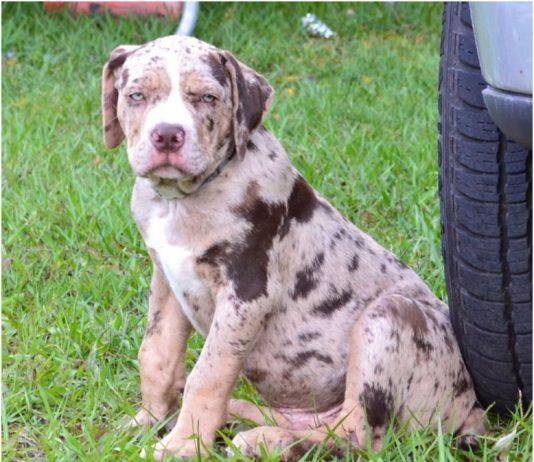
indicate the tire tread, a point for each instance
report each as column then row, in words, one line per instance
column 485, row 185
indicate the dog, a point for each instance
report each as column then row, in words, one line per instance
column 335, row 332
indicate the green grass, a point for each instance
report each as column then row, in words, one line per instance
column 358, row 117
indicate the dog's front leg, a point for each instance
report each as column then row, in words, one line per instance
column 162, row 354
column 210, row 383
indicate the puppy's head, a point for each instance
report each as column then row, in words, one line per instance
column 183, row 106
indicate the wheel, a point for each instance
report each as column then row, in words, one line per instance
column 486, row 220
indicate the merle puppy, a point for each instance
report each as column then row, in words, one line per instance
column 331, row 328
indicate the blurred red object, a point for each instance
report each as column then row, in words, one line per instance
column 170, row 9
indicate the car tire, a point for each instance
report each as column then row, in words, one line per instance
column 486, row 218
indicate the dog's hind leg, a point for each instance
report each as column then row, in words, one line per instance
column 364, row 390
column 403, row 363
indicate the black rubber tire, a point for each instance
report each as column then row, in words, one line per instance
column 486, row 219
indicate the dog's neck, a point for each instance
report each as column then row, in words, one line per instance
column 217, row 170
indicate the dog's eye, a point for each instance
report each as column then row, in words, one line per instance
column 207, row 98
column 137, row 96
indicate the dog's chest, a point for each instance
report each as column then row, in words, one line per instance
column 178, row 265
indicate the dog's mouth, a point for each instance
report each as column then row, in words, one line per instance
column 166, row 174
column 171, row 183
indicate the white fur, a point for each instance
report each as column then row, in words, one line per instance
column 173, row 110
column 177, row 264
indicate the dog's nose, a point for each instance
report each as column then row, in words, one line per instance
column 167, row 137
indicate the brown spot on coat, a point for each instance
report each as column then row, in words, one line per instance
column 214, row 258
column 354, row 263
column 378, row 404
column 302, row 201
column 255, row 375
column 153, row 323
column 307, row 278
column 461, row 382
column 251, row 146
column 359, row 242
column 247, row 263
column 215, row 254
column 304, row 356
column 330, row 305
column 422, row 345
column 309, row 336
column 378, row 369
column 300, row 206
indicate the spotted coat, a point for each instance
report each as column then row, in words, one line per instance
column 322, row 320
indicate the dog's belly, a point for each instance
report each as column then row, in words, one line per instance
column 300, row 367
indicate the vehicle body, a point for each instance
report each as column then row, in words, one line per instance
column 503, row 36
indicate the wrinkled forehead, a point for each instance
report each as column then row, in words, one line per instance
column 174, row 56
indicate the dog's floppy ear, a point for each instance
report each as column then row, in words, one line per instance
column 251, row 97
column 113, row 134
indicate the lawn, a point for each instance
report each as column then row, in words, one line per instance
column 358, row 117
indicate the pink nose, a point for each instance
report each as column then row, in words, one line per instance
column 167, row 137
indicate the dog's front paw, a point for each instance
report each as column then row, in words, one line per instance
column 143, row 419
column 177, row 447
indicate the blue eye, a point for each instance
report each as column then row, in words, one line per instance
column 207, row 98
column 137, row 96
